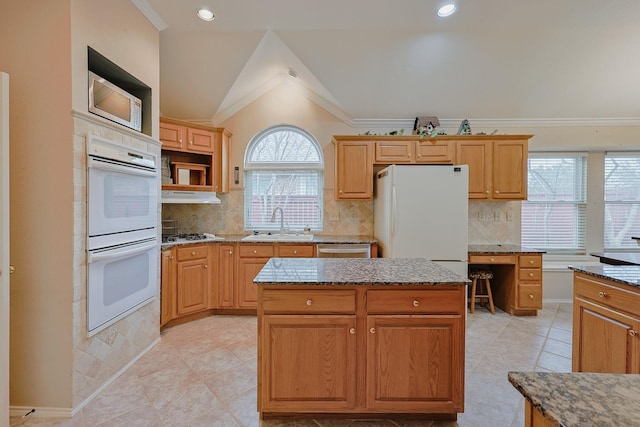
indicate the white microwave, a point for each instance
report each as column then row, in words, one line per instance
column 113, row 103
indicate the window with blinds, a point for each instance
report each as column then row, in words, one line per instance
column 554, row 216
column 283, row 169
column 621, row 200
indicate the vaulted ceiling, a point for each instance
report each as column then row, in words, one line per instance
column 382, row 59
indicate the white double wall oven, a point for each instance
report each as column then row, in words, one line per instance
column 122, row 220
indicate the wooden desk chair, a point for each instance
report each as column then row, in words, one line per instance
column 480, row 283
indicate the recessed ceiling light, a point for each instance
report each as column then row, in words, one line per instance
column 447, row 10
column 293, row 73
column 205, row 15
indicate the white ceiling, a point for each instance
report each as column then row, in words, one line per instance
column 384, row 59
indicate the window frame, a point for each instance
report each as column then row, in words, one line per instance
column 579, row 200
column 278, row 167
column 631, row 246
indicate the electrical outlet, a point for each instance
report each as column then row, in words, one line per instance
column 334, row 216
column 509, row 215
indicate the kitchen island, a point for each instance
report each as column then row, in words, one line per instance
column 359, row 337
column 578, row 399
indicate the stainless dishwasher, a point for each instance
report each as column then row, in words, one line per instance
column 343, row 250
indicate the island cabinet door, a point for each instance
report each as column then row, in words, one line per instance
column 604, row 340
column 415, row 363
column 308, row 363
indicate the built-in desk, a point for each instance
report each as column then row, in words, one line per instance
column 517, row 276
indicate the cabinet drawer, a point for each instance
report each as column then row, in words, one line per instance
column 409, row 301
column 256, row 251
column 192, row 252
column 308, row 301
column 296, row 251
column 530, row 274
column 610, row 295
column 492, row 259
column 530, row 261
column 530, row 296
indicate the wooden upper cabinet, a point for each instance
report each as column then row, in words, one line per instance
column 200, row 140
column 395, row 151
column 354, row 170
column 510, row 161
column 497, row 163
column 203, row 150
column 427, row 151
column 434, row 151
column 173, row 136
column 478, row 156
column 497, row 168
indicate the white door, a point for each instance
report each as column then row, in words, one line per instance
column 4, row 249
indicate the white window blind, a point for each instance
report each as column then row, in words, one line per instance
column 621, row 200
column 554, row 216
column 283, row 168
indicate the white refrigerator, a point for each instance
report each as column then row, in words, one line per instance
column 422, row 212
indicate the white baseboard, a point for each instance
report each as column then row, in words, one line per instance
column 556, row 301
column 18, row 411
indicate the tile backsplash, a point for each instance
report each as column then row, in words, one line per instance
column 489, row 222
column 340, row 218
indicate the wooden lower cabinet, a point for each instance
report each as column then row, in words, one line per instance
column 167, row 288
column 348, row 350
column 226, row 275
column 296, row 345
column 193, row 279
column 413, row 363
column 606, row 325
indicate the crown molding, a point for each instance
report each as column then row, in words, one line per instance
column 498, row 123
column 151, row 14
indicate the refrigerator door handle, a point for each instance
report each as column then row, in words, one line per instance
column 394, row 202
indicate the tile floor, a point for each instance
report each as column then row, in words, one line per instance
column 203, row 373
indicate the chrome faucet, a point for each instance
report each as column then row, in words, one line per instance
column 273, row 218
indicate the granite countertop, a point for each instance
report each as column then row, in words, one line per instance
column 237, row 238
column 356, row 271
column 618, row 258
column 625, row 274
column 502, row 249
column 582, row 399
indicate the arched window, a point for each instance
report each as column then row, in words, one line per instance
column 283, row 169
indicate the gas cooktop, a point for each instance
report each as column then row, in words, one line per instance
column 167, row 238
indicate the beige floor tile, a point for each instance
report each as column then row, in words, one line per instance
column 203, row 373
column 561, row 335
column 123, row 395
column 145, row 416
column 180, row 407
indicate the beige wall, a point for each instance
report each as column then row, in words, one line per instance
column 125, row 36
column 36, row 53
column 44, row 51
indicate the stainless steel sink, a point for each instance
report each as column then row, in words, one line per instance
column 278, row 238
